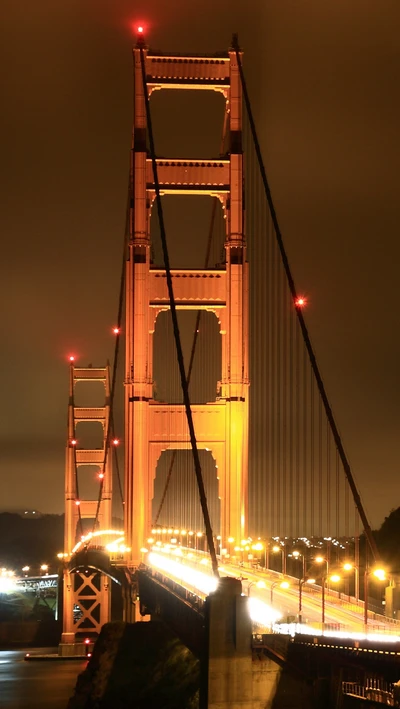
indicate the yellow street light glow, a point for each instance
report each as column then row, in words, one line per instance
column 310, row 580
column 380, row 574
column 144, row 550
column 261, row 584
column 296, row 553
column 231, row 540
column 44, row 567
column 237, row 549
column 284, row 584
column 199, row 534
column 154, row 531
column 257, row 547
column 150, row 540
column 319, row 559
column 191, row 534
column 335, row 578
column 170, row 531
column 275, row 548
column 183, row 531
column 347, row 566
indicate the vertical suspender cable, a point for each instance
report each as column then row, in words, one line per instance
column 306, row 337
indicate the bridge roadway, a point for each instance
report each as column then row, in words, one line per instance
column 273, row 605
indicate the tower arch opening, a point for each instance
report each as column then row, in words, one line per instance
column 188, row 221
column 198, row 122
column 206, row 370
column 181, row 508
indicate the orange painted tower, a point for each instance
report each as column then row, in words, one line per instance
column 86, row 597
column 220, row 426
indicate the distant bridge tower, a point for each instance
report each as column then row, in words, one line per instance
column 86, row 597
column 221, row 426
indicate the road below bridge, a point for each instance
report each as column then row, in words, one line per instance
column 36, row 684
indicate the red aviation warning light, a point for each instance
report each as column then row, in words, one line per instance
column 116, row 330
column 71, row 358
column 115, row 442
column 77, row 502
column 100, row 476
column 74, row 442
column 140, row 29
column 300, row 301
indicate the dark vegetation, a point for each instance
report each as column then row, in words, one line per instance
column 138, row 666
column 32, row 542
column 388, row 541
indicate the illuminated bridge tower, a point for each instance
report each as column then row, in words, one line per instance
column 220, row 426
column 86, row 597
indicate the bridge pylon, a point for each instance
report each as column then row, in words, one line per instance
column 86, row 596
column 221, row 426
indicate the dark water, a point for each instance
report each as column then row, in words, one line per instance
column 36, row 685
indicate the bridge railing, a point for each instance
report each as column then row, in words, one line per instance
column 378, row 695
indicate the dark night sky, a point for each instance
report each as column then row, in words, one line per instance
column 324, row 77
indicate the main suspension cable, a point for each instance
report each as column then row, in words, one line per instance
column 303, row 327
column 110, row 422
column 179, row 352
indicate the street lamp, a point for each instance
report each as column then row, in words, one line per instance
column 322, row 560
column 297, row 554
column 198, row 537
column 335, row 578
column 281, row 548
column 348, row 566
column 379, row 574
column 260, row 547
column 259, row 584
column 281, row 584
column 301, row 584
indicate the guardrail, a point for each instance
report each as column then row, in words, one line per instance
column 375, row 694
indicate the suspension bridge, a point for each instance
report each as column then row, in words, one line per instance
column 236, row 495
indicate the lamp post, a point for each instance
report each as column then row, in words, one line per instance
column 281, row 584
column 260, row 547
column 301, row 584
column 335, row 578
column 259, row 584
column 297, row 554
column 281, row 548
column 380, row 574
column 348, row 566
